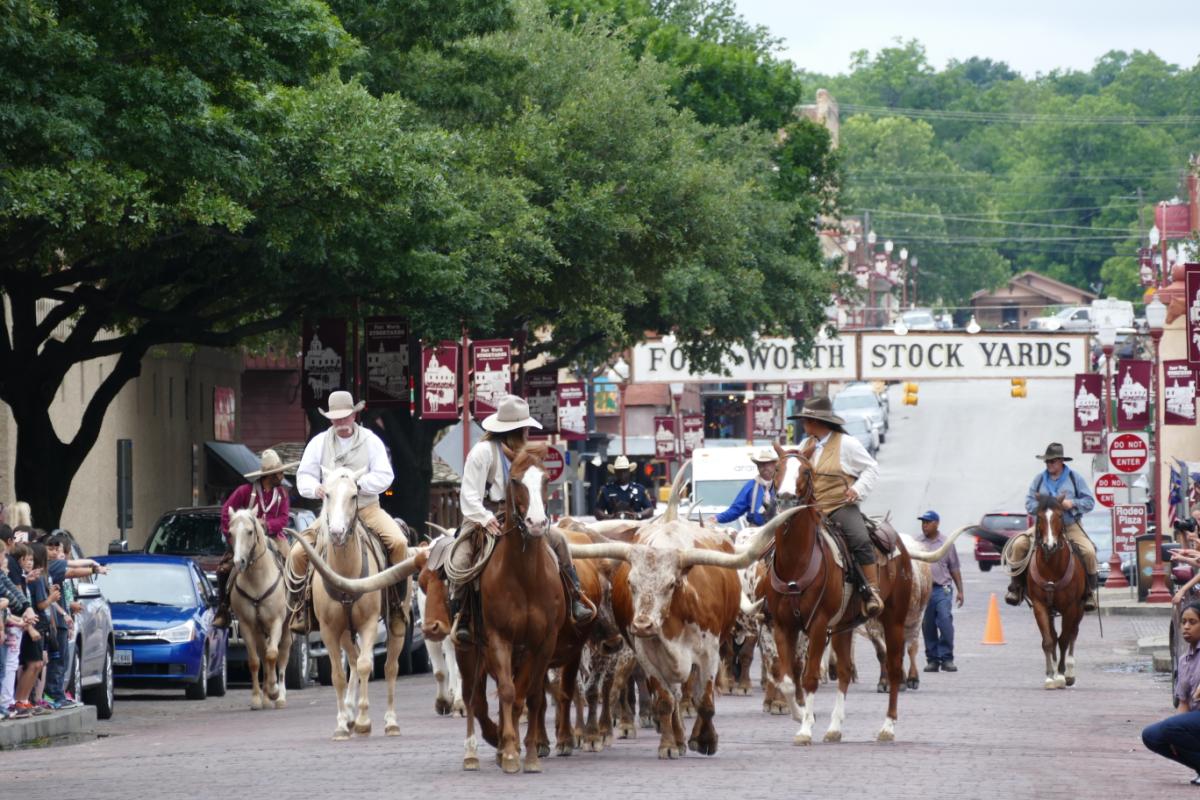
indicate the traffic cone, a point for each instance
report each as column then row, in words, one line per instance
column 993, row 631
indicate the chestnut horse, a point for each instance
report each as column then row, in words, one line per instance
column 808, row 593
column 1056, row 583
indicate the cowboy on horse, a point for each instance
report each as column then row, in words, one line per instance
column 481, row 498
column 843, row 472
column 756, row 500
column 1057, row 480
column 268, row 500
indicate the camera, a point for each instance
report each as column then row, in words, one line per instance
column 1184, row 525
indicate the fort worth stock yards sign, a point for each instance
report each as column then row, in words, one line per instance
column 881, row 355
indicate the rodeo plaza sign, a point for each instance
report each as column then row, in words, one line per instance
column 879, row 355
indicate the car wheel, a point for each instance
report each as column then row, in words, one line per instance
column 199, row 689
column 296, row 676
column 219, row 682
column 985, row 566
column 101, row 695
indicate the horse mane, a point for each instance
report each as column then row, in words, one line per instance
column 531, row 455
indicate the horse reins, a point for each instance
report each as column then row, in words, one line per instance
column 257, row 601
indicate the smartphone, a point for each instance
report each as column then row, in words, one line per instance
column 21, row 536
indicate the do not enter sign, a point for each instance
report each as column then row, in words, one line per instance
column 1106, row 488
column 1128, row 452
column 555, row 464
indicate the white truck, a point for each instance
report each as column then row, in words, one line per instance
column 718, row 474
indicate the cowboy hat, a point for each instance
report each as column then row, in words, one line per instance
column 341, row 405
column 764, row 456
column 820, row 410
column 1053, row 450
column 270, row 465
column 620, row 463
column 512, row 413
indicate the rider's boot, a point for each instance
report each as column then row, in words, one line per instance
column 1089, row 599
column 460, row 616
column 1016, row 590
column 581, row 611
column 222, row 615
column 873, row 603
column 298, row 601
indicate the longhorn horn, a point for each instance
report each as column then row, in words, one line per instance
column 750, row 607
column 618, row 550
column 743, row 556
column 359, row 586
column 940, row 553
column 438, row 529
column 672, row 512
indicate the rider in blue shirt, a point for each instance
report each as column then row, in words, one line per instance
column 756, row 500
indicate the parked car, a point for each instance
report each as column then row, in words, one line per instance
column 997, row 528
column 919, row 319
column 90, row 678
column 860, row 400
column 1097, row 524
column 162, row 609
column 861, row 429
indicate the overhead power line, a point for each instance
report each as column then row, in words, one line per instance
column 989, row 221
column 1018, row 117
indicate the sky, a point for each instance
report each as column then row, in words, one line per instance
column 1031, row 36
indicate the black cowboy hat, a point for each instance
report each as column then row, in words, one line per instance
column 1053, row 450
column 820, row 410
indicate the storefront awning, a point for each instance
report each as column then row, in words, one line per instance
column 233, row 460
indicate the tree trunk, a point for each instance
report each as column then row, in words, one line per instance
column 410, row 441
column 44, row 467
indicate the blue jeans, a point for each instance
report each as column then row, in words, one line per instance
column 1177, row 738
column 938, row 626
column 56, row 668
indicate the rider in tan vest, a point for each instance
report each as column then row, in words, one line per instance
column 347, row 444
column 843, row 472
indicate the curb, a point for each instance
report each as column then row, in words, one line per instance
column 1141, row 610
column 69, row 725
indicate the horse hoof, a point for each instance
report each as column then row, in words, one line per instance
column 670, row 752
column 564, row 750
column 886, row 736
column 543, row 750
column 913, row 683
column 281, row 703
column 441, row 707
column 881, row 688
column 362, row 729
column 779, row 709
column 1071, row 680
column 510, row 764
column 341, row 735
column 833, row 736
column 694, row 745
column 605, row 741
column 1060, row 682
column 532, row 765
column 1050, row 683
column 647, row 722
column 391, row 730
column 626, row 731
column 273, row 696
column 802, row 739
column 256, row 705
column 471, row 764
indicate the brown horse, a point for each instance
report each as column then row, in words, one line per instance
column 809, row 593
column 1056, row 584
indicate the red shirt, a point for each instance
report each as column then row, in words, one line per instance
column 272, row 508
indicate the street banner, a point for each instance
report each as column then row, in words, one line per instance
column 439, row 381
column 224, row 414
column 323, row 366
column 796, row 391
column 664, row 438
column 693, row 433
column 1173, row 222
column 1093, row 442
column 542, row 390
column 1132, row 387
column 606, row 398
column 388, row 371
column 1107, row 486
column 1128, row 452
column 1089, row 386
column 1192, row 295
column 768, row 417
column 1179, row 393
column 572, row 411
column 1129, row 522
column 491, row 362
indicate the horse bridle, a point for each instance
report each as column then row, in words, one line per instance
column 257, row 601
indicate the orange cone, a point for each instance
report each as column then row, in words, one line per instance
column 993, row 632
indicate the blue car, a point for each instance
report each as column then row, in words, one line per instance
column 162, row 611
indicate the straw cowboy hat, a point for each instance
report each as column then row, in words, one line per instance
column 1053, row 450
column 341, row 405
column 764, row 456
column 620, row 463
column 512, row 413
column 270, row 465
column 821, row 410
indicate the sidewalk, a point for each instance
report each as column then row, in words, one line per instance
column 68, row 725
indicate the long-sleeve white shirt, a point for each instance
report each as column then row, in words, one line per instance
column 856, row 462
column 476, row 472
column 375, row 481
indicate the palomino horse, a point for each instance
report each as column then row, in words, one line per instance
column 1056, row 584
column 259, row 600
column 807, row 593
column 349, row 610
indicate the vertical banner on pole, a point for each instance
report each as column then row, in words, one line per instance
column 1179, row 393
column 1192, row 288
column 439, row 381
column 768, row 417
column 1089, row 386
column 665, row 446
column 572, row 411
column 542, row 394
column 386, row 343
column 491, row 360
column 1132, row 385
column 693, row 433
column 323, row 367
column 1092, row 442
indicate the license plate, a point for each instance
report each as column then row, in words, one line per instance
column 123, row 658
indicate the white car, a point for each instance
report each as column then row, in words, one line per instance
column 861, row 401
column 919, row 319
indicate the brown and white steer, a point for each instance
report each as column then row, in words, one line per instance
column 922, row 587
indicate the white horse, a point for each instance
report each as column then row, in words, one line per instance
column 259, row 599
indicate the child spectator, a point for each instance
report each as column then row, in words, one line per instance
column 22, row 643
column 19, row 611
column 1178, row 737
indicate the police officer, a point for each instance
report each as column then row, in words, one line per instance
column 622, row 497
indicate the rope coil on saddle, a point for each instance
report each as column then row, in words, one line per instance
column 1011, row 567
column 465, row 576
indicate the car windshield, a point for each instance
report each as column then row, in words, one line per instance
column 148, row 584
column 857, row 401
column 187, row 535
column 919, row 318
column 856, row 426
column 1005, row 522
column 717, row 493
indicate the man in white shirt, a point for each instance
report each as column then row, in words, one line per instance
column 843, row 473
column 347, row 444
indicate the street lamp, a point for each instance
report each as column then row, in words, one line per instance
column 900, row 329
column 1108, row 340
column 888, row 246
column 973, row 326
column 1154, row 236
column 871, row 238
column 913, row 262
column 1156, row 318
column 851, row 245
column 904, row 254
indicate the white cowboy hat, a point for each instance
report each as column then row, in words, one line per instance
column 270, row 465
column 620, row 463
column 512, row 413
column 341, row 405
column 764, row 455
